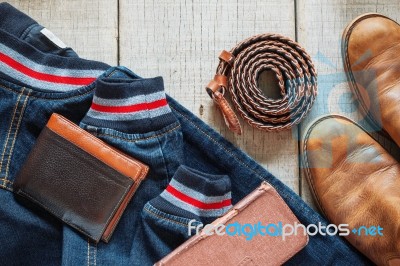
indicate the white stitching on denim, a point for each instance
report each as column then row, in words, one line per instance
column 88, row 252
column 52, row 99
column 5, row 180
column 91, row 252
column 7, row 184
column 16, row 133
column 138, row 139
column 6, row 187
column 164, row 218
column 9, row 130
column 95, row 254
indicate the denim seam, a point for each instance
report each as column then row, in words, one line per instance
column 7, row 184
column 88, row 252
column 92, row 256
column 7, row 187
column 6, row 180
column 164, row 218
column 112, row 73
column 50, row 99
column 95, row 254
column 9, row 130
column 164, row 162
column 27, row 31
column 138, row 139
column 16, row 133
column 13, row 131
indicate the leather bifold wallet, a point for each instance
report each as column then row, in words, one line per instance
column 247, row 243
column 79, row 179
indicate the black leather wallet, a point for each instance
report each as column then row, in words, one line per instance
column 79, row 178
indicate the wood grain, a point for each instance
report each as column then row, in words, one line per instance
column 181, row 40
column 319, row 30
column 89, row 27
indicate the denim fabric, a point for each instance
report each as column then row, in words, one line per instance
column 30, row 236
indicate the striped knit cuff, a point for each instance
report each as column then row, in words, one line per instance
column 195, row 195
column 130, row 105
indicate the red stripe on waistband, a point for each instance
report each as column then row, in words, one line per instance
column 129, row 108
column 43, row 76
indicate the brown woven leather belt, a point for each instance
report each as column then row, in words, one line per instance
column 239, row 70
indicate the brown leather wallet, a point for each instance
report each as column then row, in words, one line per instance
column 79, row 178
column 262, row 205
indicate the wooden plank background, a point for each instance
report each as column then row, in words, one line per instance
column 180, row 40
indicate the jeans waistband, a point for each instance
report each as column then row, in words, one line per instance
column 26, row 61
column 14, row 21
column 123, row 101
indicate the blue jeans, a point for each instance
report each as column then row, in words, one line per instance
column 30, row 236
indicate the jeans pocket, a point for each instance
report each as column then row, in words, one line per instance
column 164, row 232
column 165, row 223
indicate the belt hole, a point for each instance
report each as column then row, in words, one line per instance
column 268, row 84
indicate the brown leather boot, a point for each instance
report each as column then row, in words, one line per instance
column 370, row 50
column 356, row 182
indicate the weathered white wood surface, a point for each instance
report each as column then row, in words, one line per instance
column 90, row 27
column 319, row 29
column 180, row 40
